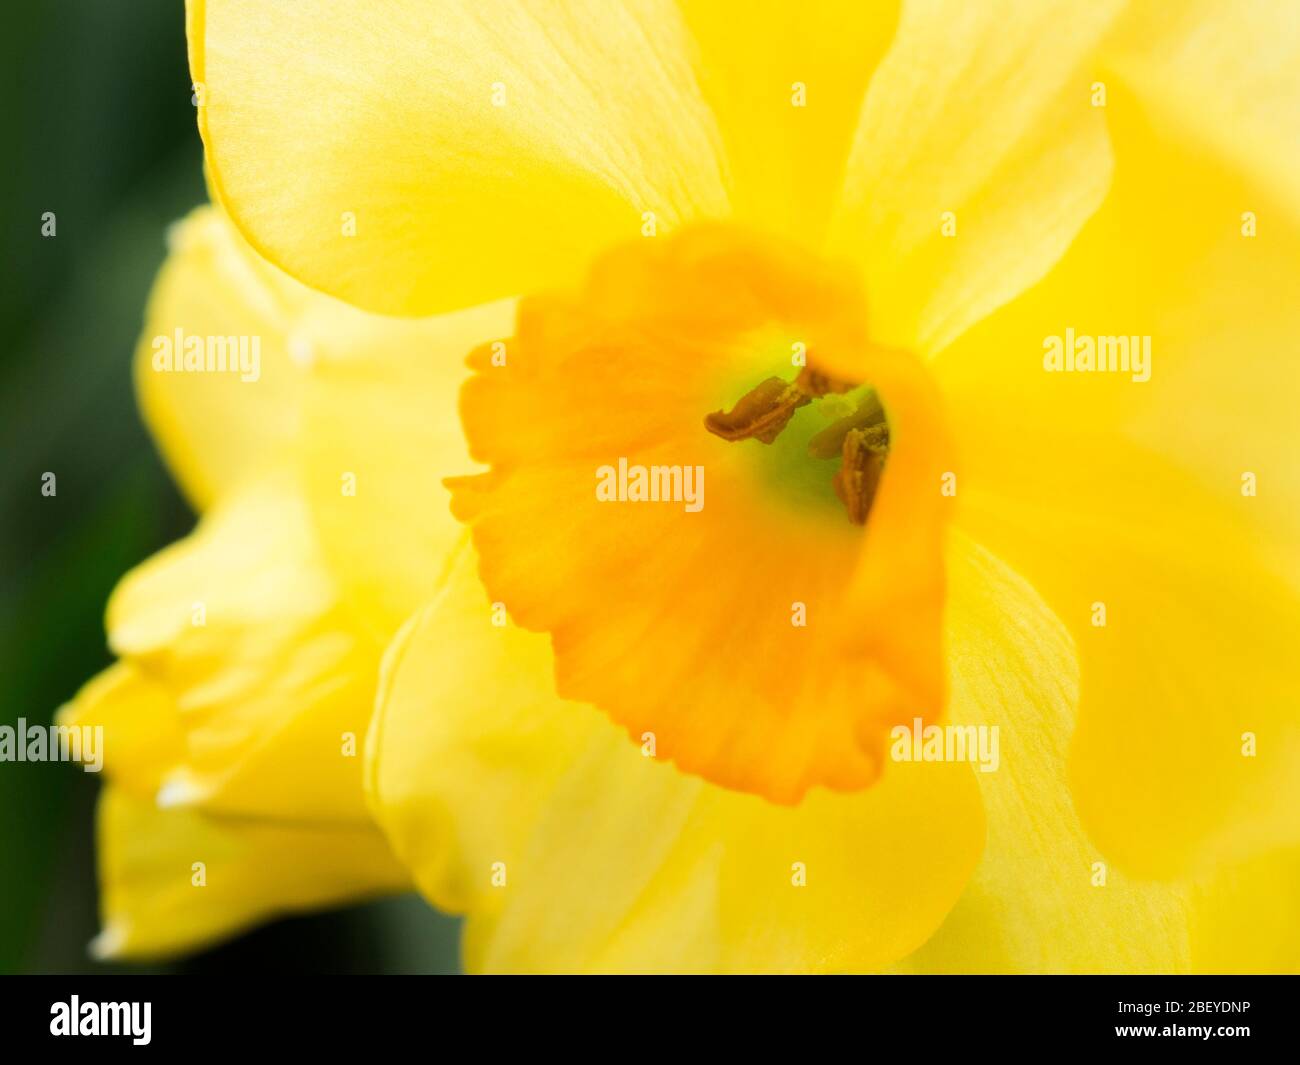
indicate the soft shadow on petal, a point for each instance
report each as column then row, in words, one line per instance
column 1043, row 899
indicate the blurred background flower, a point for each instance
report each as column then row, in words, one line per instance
column 99, row 113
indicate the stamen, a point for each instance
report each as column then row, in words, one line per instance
column 861, row 439
column 762, row 412
column 817, row 384
column 863, row 455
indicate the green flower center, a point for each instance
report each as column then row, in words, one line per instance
column 852, row 428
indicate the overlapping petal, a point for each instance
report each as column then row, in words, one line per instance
column 1132, row 503
column 977, row 158
column 1221, row 76
column 232, row 734
column 572, row 850
column 217, row 429
column 1043, row 899
column 177, row 880
column 380, row 433
column 458, row 152
column 269, row 682
column 786, row 83
column 358, row 410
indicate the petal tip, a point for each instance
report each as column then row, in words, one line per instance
column 176, row 791
column 110, row 943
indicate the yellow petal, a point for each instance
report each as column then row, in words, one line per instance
column 786, row 82
column 982, row 111
column 1223, row 75
column 272, row 687
column 381, row 409
column 440, row 155
column 175, row 880
column 1123, row 493
column 614, row 861
column 365, row 404
column 1039, row 901
column 142, row 739
column 215, row 428
column 1243, row 919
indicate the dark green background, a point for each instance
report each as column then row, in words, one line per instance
column 98, row 128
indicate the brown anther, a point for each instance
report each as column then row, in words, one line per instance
column 817, row 384
column 761, row 413
column 861, row 439
column 863, row 453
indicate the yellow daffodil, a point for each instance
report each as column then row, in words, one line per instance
column 234, row 722
column 231, row 727
column 788, row 449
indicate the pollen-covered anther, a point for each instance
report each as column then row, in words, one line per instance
column 863, row 460
column 761, row 413
column 860, row 439
column 817, row 384
column 766, row 409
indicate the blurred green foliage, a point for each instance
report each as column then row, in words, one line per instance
column 97, row 127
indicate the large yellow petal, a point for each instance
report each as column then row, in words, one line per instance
column 380, row 433
column 614, row 861
column 175, row 880
column 272, row 687
column 1039, row 902
column 693, row 877
column 216, row 429
column 787, row 82
column 1130, row 495
column 439, row 155
column 1223, row 75
column 981, row 110
column 1243, row 918
column 363, row 406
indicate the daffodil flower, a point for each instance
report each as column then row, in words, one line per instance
column 226, row 725
column 828, row 255
column 234, row 721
